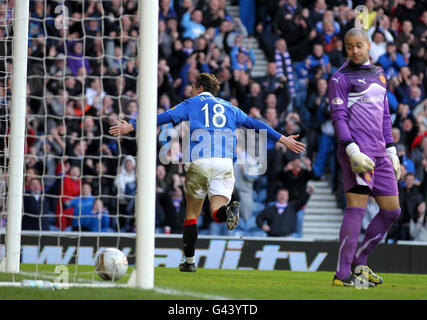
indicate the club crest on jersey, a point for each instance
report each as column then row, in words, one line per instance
column 337, row 101
column 367, row 176
column 382, row 78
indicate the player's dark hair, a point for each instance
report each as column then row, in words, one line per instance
column 356, row 32
column 209, row 83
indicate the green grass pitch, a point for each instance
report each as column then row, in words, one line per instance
column 213, row 284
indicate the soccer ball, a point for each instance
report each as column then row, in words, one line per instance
column 111, row 264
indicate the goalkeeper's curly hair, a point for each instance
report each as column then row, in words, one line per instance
column 209, row 83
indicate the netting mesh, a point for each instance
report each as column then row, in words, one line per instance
column 82, row 78
column 82, row 74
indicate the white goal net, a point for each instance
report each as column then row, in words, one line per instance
column 79, row 181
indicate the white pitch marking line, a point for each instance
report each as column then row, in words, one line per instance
column 102, row 284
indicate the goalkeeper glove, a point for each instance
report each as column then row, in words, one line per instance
column 360, row 162
column 392, row 154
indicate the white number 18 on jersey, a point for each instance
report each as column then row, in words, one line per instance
column 218, row 119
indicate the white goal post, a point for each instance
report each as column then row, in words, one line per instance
column 146, row 137
column 17, row 137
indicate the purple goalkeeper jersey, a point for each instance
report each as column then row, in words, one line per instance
column 359, row 108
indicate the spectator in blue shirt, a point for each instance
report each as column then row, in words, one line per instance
column 242, row 58
column 392, row 60
column 329, row 16
column 404, row 160
column 100, row 219
column 82, row 209
column 89, row 213
column 318, row 57
column 306, row 69
column 393, row 101
column 192, row 24
column 35, row 27
column 166, row 11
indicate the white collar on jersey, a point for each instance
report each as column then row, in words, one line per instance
column 204, row 93
column 367, row 63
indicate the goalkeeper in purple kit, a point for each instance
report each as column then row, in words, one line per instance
column 370, row 166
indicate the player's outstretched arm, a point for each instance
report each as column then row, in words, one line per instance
column 291, row 143
column 121, row 128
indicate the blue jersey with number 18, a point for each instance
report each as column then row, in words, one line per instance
column 213, row 123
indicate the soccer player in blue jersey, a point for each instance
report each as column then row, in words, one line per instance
column 210, row 170
column 370, row 166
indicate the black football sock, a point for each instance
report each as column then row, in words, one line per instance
column 220, row 215
column 189, row 237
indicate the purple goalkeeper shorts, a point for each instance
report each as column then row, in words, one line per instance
column 382, row 181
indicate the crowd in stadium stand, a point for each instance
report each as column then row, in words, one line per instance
column 81, row 80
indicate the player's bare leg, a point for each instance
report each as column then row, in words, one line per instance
column 388, row 202
column 189, row 234
column 194, row 207
column 377, row 229
column 222, row 212
column 356, row 200
column 349, row 236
